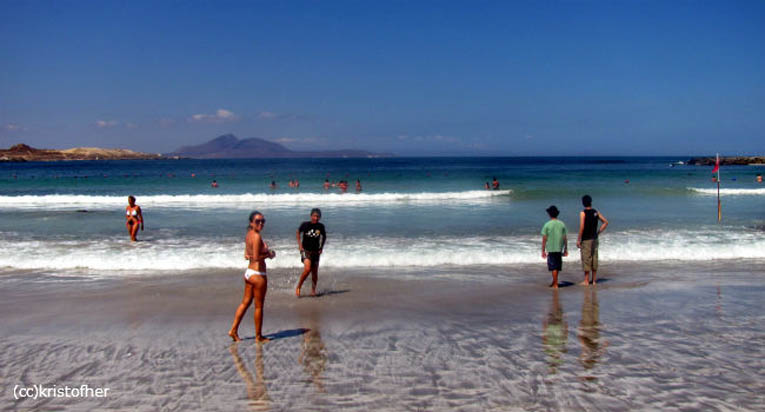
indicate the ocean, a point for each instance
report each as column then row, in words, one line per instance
column 413, row 215
column 432, row 291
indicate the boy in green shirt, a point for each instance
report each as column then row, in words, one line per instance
column 554, row 244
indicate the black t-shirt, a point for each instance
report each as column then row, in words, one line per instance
column 590, row 224
column 311, row 234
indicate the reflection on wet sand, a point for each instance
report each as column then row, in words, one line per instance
column 589, row 330
column 257, row 393
column 314, row 355
column 554, row 334
column 719, row 303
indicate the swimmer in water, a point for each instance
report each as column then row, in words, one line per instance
column 133, row 218
column 255, row 281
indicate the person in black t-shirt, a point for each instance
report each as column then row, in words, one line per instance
column 311, row 247
column 587, row 242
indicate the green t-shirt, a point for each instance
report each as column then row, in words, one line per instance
column 554, row 230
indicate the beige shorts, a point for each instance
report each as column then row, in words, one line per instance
column 589, row 255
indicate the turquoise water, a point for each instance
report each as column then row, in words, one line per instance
column 67, row 217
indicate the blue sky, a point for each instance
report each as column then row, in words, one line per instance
column 408, row 77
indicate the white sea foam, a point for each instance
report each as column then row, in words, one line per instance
column 109, row 255
column 730, row 192
column 246, row 200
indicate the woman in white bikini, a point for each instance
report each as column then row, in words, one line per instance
column 255, row 280
column 133, row 218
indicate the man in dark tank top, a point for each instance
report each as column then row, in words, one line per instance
column 587, row 242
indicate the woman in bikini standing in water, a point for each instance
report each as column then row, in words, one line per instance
column 255, row 280
column 133, row 218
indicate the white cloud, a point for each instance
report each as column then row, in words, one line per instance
column 437, row 138
column 13, row 127
column 166, row 122
column 103, row 124
column 281, row 116
column 220, row 116
column 447, row 139
column 287, row 140
column 267, row 115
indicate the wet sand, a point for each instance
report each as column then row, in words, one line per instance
column 663, row 336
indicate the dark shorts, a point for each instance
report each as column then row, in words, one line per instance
column 311, row 255
column 554, row 261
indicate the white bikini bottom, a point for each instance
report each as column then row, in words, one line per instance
column 251, row 272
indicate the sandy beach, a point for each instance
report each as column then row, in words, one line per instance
column 648, row 337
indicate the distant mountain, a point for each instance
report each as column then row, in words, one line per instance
column 229, row 146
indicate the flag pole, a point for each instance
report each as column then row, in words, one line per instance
column 719, row 205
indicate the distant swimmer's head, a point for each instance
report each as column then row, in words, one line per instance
column 131, row 200
column 587, row 201
column 315, row 214
column 553, row 211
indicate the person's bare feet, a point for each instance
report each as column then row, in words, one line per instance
column 234, row 336
column 584, row 283
column 261, row 339
column 313, row 292
column 297, row 292
column 554, row 285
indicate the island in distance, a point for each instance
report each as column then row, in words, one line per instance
column 24, row 153
column 229, row 146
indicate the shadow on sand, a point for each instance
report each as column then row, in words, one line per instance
column 286, row 333
column 281, row 334
column 331, row 292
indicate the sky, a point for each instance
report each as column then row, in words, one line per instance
column 413, row 78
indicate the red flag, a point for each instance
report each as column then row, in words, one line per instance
column 717, row 164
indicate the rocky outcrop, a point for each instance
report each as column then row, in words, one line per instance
column 727, row 161
column 25, row 153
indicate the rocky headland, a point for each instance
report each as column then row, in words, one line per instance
column 727, row 161
column 24, row 153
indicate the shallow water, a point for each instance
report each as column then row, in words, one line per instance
column 636, row 341
column 68, row 218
